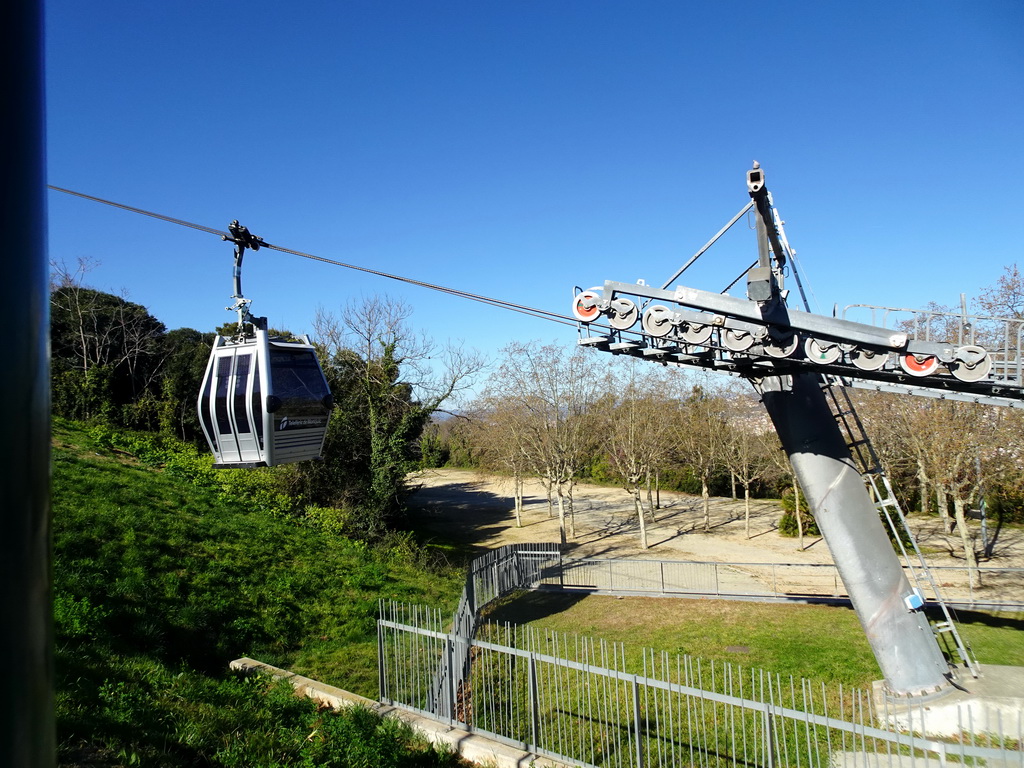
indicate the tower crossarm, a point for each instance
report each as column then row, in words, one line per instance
column 692, row 327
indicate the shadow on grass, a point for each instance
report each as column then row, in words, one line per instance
column 526, row 607
column 1002, row 620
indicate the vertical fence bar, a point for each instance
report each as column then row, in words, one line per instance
column 638, row 751
column 381, row 688
column 532, row 693
column 450, row 651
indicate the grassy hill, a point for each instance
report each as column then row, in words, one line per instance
column 161, row 579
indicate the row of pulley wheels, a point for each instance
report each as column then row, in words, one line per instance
column 660, row 322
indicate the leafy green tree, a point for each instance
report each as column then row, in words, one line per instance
column 387, row 382
column 188, row 352
column 106, row 352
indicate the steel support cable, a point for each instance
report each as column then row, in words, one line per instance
column 200, row 227
column 521, row 308
column 500, row 303
column 708, row 244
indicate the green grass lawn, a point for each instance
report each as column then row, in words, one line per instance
column 159, row 583
column 821, row 642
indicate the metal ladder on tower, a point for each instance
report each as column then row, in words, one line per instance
column 874, row 476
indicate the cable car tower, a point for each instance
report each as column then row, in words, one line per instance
column 264, row 399
column 801, row 363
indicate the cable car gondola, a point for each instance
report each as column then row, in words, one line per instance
column 264, row 401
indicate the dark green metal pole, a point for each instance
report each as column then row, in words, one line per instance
column 26, row 635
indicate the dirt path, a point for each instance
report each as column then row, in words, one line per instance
column 478, row 510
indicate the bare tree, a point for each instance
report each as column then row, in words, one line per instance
column 750, row 445
column 101, row 339
column 552, row 389
column 1006, row 297
column 396, row 377
column 638, row 430
column 501, row 437
column 951, row 443
column 700, row 437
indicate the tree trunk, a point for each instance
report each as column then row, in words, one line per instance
column 561, row 516
column 746, row 507
column 640, row 516
column 732, row 482
column 943, row 502
column 706, row 495
column 968, row 544
column 572, row 512
column 799, row 514
column 518, row 483
column 650, row 498
column 922, row 481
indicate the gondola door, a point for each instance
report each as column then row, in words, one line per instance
column 231, row 406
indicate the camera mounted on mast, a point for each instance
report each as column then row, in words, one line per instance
column 764, row 282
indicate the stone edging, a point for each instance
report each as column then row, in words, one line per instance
column 472, row 747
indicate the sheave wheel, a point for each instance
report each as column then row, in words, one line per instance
column 697, row 333
column 972, row 371
column 657, row 321
column 822, row 354
column 736, row 340
column 924, row 365
column 623, row 315
column 585, row 314
column 868, row 359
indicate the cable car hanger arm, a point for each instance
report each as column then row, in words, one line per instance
column 242, row 238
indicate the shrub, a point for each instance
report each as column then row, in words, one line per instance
column 333, row 520
column 1006, row 505
column 788, row 522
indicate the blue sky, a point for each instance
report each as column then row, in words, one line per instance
column 516, row 149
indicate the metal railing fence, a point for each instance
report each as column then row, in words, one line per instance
column 962, row 587
column 575, row 699
column 493, row 574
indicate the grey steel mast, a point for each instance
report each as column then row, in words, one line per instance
column 887, row 606
column 792, row 358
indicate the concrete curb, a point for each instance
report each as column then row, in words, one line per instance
column 472, row 747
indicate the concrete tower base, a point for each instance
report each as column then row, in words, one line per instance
column 990, row 704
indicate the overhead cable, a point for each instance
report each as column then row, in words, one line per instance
column 520, row 308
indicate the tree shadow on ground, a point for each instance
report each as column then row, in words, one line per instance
column 482, row 515
column 525, row 607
